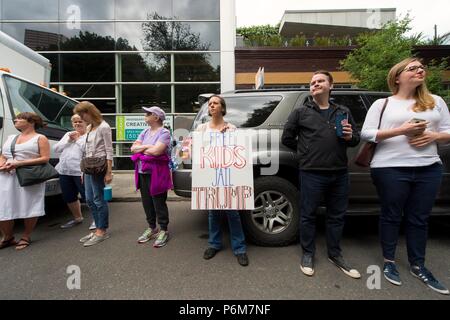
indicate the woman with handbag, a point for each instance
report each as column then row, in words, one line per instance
column 70, row 149
column 96, row 165
column 27, row 149
column 406, row 168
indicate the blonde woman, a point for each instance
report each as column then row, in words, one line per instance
column 98, row 144
column 406, row 168
column 70, row 149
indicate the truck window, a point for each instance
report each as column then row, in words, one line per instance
column 28, row 97
column 356, row 105
column 243, row 112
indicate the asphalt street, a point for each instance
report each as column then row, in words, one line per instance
column 120, row 268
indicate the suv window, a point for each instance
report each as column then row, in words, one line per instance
column 27, row 97
column 243, row 112
column 355, row 103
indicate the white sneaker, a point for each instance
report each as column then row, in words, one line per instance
column 96, row 239
column 92, row 226
column 86, row 238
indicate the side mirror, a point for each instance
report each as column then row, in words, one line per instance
column 1, row 122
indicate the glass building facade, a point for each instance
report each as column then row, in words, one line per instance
column 125, row 54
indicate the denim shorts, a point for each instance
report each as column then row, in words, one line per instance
column 71, row 186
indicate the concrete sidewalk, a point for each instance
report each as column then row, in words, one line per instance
column 124, row 190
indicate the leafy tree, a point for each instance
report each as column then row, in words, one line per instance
column 370, row 63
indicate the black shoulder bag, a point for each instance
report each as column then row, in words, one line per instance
column 33, row 174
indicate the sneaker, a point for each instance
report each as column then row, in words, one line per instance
column 391, row 273
column 307, row 264
column 71, row 223
column 86, row 238
column 92, row 226
column 341, row 264
column 209, row 253
column 161, row 239
column 427, row 277
column 242, row 259
column 148, row 234
column 96, row 239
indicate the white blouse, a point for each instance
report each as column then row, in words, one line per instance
column 396, row 151
column 70, row 153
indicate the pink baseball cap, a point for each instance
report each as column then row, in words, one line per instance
column 156, row 110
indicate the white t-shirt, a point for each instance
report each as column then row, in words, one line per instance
column 396, row 151
column 70, row 154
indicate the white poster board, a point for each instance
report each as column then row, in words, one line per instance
column 222, row 171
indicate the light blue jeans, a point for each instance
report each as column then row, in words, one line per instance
column 94, row 185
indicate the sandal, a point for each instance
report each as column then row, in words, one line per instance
column 23, row 243
column 7, row 243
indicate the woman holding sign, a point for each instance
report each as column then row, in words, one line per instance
column 216, row 110
column 152, row 175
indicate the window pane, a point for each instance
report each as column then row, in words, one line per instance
column 37, row 36
column 196, row 9
column 186, row 96
column 95, row 67
column 197, row 67
column 86, row 10
column 143, row 9
column 123, row 163
column 196, row 36
column 35, row 10
column 54, row 60
column 89, row 91
column 90, row 36
column 145, row 67
column 105, row 106
column 144, row 36
column 134, row 97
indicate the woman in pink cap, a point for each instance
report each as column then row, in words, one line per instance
column 152, row 175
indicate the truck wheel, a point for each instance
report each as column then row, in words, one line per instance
column 275, row 220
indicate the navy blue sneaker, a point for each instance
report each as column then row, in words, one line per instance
column 391, row 273
column 427, row 277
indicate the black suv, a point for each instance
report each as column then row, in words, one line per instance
column 275, row 220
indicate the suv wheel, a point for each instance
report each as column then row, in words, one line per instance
column 274, row 222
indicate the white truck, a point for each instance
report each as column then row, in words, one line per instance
column 23, row 61
column 20, row 95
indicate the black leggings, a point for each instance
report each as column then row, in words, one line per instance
column 154, row 206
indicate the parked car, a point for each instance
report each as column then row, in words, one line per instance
column 275, row 220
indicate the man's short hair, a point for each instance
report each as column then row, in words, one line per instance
column 325, row 72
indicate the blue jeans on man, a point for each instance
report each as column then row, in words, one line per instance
column 236, row 232
column 94, row 185
column 332, row 187
column 408, row 192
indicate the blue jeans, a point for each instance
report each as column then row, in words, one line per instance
column 410, row 191
column 94, row 185
column 70, row 187
column 331, row 186
column 236, row 231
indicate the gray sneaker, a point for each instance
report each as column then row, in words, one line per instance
column 96, row 239
column 161, row 239
column 92, row 226
column 148, row 234
column 86, row 238
column 71, row 223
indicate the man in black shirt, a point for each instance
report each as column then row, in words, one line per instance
column 320, row 136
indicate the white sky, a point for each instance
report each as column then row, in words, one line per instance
column 425, row 13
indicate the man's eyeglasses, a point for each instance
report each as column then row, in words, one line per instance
column 415, row 68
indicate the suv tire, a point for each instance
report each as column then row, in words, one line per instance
column 275, row 220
